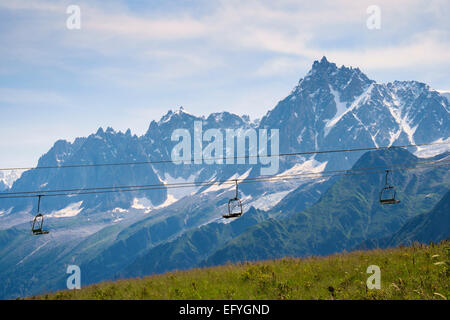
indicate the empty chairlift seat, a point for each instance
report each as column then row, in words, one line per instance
column 38, row 221
column 234, row 206
column 387, row 194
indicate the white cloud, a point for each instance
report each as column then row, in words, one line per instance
column 282, row 27
column 29, row 96
column 423, row 50
column 145, row 28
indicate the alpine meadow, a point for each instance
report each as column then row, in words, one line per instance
column 224, row 150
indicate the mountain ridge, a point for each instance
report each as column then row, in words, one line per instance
column 329, row 108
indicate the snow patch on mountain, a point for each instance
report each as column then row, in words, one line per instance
column 71, row 210
column 5, row 212
column 227, row 185
column 268, row 201
column 169, row 201
column 403, row 122
column 9, row 177
column 142, row 204
column 341, row 108
column 367, row 129
column 178, row 193
column 445, row 94
column 308, row 166
column 431, row 151
column 168, row 117
column 300, row 136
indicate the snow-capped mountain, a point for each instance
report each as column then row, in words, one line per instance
column 445, row 94
column 330, row 108
column 338, row 108
column 105, row 146
column 7, row 178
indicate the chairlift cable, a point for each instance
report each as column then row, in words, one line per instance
column 223, row 158
column 211, row 182
column 250, row 180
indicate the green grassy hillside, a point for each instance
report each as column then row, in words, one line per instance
column 415, row 272
column 348, row 213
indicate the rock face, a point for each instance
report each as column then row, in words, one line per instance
column 342, row 108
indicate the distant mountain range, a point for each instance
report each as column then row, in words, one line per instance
column 329, row 108
column 140, row 232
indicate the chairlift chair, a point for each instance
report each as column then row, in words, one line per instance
column 38, row 221
column 234, row 206
column 387, row 194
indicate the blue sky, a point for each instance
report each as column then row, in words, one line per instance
column 131, row 61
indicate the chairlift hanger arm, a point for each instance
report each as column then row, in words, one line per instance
column 39, row 204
